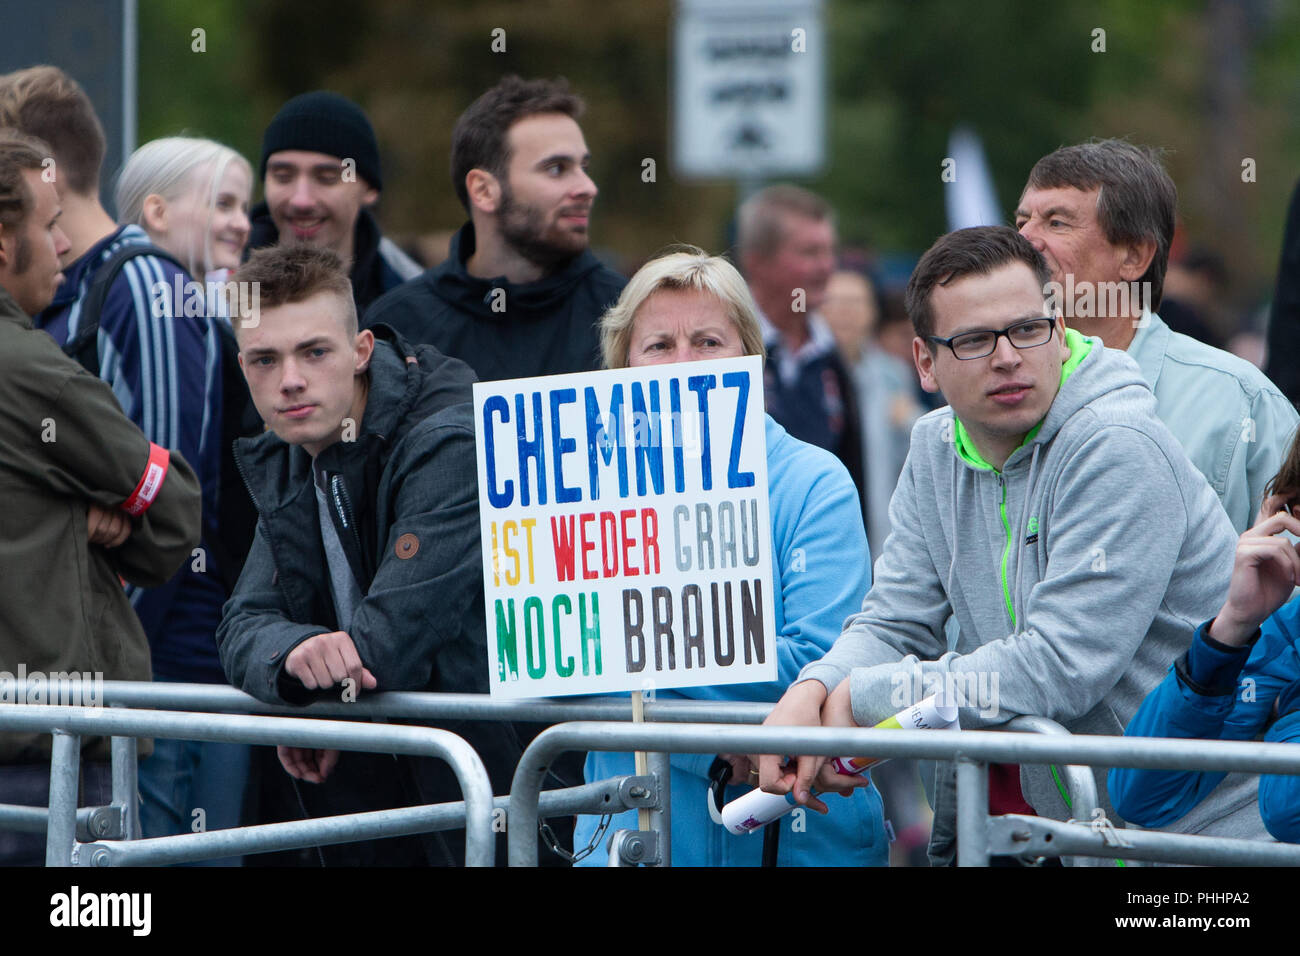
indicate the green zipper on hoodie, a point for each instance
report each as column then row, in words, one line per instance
column 1006, row 549
column 966, row 450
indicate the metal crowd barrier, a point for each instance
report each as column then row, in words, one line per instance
column 69, row 724
column 1011, row 834
column 120, row 820
column 420, row 705
column 615, row 795
column 978, row 835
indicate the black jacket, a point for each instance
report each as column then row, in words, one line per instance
column 821, row 408
column 1284, row 324
column 405, row 507
column 500, row 329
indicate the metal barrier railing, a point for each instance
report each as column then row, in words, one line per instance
column 420, row 705
column 976, row 838
column 68, row 724
column 631, row 791
column 121, row 820
column 1080, row 784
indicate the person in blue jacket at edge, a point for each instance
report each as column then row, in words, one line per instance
column 688, row 306
column 1240, row 674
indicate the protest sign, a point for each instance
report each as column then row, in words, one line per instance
column 625, row 528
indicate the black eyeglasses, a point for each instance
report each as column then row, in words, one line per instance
column 1022, row 335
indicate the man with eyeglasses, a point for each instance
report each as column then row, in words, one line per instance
column 1051, row 513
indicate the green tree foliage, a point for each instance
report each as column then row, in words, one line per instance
column 1025, row 75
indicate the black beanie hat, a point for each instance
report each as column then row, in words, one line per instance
column 324, row 122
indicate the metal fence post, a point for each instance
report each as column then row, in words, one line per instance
column 661, row 815
column 65, row 767
column 972, row 812
column 615, row 851
column 126, row 790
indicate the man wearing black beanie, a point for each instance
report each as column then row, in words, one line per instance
column 320, row 173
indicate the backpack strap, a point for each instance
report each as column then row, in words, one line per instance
column 84, row 346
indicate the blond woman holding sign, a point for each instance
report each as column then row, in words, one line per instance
column 685, row 307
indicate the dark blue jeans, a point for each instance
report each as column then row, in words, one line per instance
column 189, row 785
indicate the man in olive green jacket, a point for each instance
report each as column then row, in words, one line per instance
column 88, row 501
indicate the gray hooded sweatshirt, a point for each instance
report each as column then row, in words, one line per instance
column 1076, row 575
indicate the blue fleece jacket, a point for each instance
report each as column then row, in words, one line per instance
column 819, row 549
column 1215, row 693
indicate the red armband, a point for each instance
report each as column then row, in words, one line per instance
column 155, row 470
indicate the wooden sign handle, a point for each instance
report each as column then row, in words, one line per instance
column 642, row 761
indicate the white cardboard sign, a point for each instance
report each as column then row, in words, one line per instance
column 625, row 528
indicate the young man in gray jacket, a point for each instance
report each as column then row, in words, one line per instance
column 1051, row 513
column 365, row 574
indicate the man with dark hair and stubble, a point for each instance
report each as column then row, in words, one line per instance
column 1052, row 514
column 520, row 292
column 89, row 502
column 1102, row 214
column 365, row 574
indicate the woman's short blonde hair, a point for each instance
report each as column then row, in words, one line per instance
column 685, row 267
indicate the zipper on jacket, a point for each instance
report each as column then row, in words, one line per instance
column 341, row 504
column 343, row 507
column 346, row 517
column 1006, row 551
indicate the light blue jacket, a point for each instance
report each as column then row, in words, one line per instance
column 823, row 566
column 1231, row 420
column 1156, row 798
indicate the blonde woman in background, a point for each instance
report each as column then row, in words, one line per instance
column 191, row 197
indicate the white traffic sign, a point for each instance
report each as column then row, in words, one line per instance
column 749, row 88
